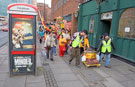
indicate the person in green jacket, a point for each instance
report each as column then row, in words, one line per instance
column 76, row 39
column 105, row 48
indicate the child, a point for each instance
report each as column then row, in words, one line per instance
column 62, row 43
column 86, row 44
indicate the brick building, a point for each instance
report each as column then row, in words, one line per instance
column 47, row 12
column 68, row 9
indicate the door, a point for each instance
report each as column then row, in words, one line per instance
column 106, row 26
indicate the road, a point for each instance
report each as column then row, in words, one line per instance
column 3, row 38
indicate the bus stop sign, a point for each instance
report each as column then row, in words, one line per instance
column 22, row 38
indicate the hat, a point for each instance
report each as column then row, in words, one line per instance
column 106, row 34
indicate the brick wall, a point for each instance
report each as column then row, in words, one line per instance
column 70, row 7
column 47, row 11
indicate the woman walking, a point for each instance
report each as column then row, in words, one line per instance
column 62, row 43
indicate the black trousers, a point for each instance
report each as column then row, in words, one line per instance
column 81, row 50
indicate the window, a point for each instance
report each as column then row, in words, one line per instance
column 60, row 3
column 127, row 24
column 65, row 1
column 55, row 7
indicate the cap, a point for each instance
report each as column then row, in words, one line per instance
column 106, row 34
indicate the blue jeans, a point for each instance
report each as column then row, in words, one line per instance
column 67, row 49
column 54, row 50
column 107, row 62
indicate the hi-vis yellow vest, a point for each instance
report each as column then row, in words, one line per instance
column 77, row 41
column 106, row 46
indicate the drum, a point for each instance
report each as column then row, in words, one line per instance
column 90, row 54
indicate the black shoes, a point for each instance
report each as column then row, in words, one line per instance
column 107, row 66
column 51, row 59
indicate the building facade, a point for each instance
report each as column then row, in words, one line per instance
column 44, row 12
column 66, row 9
column 115, row 17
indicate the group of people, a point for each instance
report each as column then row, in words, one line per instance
column 77, row 44
column 50, row 39
column 104, row 48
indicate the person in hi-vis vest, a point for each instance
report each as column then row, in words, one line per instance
column 105, row 48
column 76, row 39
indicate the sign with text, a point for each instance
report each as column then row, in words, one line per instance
column 106, row 16
column 22, row 64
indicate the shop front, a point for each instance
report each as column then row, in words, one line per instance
column 115, row 17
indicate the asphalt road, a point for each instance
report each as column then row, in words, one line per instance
column 3, row 38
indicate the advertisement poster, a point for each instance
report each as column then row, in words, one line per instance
column 22, row 64
column 91, row 25
column 22, row 34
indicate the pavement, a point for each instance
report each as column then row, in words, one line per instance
column 60, row 74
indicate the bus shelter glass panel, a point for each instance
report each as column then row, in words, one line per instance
column 22, row 33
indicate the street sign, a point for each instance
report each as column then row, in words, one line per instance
column 22, row 38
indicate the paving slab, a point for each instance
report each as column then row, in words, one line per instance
column 129, row 83
column 132, row 76
column 35, row 79
column 5, row 62
column 70, row 84
column 2, row 83
column 123, row 69
column 62, row 70
column 117, row 75
column 58, row 66
column 93, row 77
column 4, row 68
column 102, row 73
column 97, row 84
column 110, row 82
column 36, row 85
column 3, row 76
column 65, row 77
column 15, row 81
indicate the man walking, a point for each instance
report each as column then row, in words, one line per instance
column 76, row 39
column 105, row 47
column 49, row 44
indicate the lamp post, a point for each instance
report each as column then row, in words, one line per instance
column 44, row 11
column 62, row 7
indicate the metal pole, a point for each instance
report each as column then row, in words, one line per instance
column 62, row 7
column 44, row 10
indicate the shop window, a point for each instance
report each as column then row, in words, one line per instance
column 127, row 24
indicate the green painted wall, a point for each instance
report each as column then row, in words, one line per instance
column 90, row 8
column 124, row 47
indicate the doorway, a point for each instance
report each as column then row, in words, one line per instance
column 106, row 26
